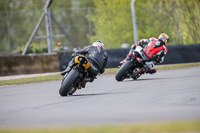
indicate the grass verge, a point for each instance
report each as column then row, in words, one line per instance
column 177, row 66
column 108, row 71
column 31, row 80
column 173, row 127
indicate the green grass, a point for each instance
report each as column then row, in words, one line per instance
column 108, row 71
column 31, row 79
column 177, row 66
column 173, row 127
column 161, row 67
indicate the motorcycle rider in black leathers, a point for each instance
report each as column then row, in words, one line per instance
column 97, row 57
column 155, row 50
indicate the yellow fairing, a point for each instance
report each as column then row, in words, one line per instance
column 76, row 59
column 86, row 66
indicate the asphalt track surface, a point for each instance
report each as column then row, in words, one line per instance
column 169, row 95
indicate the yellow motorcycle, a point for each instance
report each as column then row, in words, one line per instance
column 75, row 78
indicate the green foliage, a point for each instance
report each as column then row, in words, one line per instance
column 85, row 21
column 17, row 22
column 31, row 79
column 178, row 18
column 112, row 20
column 190, row 12
column 73, row 20
column 33, row 49
column 19, row 18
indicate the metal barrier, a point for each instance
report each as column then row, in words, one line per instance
column 176, row 54
column 11, row 65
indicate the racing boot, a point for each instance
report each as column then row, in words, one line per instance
column 146, row 70
column 142, row 70
column 151, row 71
column 69, row 68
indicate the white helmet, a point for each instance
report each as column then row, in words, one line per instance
column 98, row 44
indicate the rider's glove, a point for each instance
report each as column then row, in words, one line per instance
column 121, row 63
column 140, row 42
column 133, row 46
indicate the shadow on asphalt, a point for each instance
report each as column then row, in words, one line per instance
column 131, row 80
column 146, row 79
column 98, row 94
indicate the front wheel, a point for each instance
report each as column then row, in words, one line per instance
column 123, row 71
column 68, row 82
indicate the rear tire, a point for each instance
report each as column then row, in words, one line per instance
column 68, row 82
column 122, row 72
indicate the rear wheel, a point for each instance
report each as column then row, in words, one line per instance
column 68, row 82
column 123, row 71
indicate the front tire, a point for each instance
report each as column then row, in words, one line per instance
column 122, row 72
column 68, row 82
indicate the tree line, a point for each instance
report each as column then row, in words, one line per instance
column 85, row 21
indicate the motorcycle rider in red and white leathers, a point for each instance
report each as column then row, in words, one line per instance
column 155, row 50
